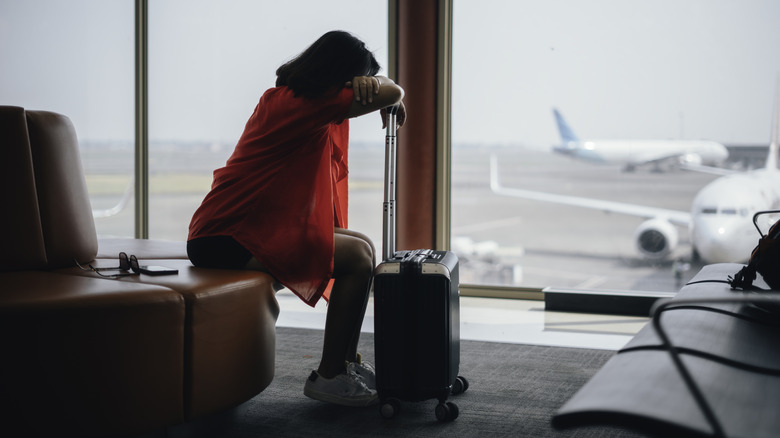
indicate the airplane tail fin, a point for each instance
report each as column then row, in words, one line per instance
column 567, row 135
column 771, row 160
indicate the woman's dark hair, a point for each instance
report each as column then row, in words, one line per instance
column 327, row 65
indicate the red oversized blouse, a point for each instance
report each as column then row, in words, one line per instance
column 284, row 189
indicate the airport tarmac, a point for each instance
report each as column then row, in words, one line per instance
column 565, row 246
column 501, row 240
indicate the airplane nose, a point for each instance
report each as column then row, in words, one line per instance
column 720, row 244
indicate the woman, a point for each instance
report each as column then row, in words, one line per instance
column 279, row 205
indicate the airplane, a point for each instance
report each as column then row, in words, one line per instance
column 632, row 153
column 720, row 220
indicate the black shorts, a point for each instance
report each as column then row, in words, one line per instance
column 219, row 252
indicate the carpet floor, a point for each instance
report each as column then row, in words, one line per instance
column 514, row 391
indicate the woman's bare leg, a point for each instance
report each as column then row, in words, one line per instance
column 353, row 270
column 352, row 352
column 360, row 236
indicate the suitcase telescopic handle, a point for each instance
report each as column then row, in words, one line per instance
column 389, row 219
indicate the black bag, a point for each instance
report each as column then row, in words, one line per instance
column 765, row 259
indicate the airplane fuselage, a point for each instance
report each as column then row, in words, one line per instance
column 638, row 152
column 632, row 153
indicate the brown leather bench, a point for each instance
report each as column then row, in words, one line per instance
column 91, row 356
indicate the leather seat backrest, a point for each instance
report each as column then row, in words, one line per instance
column 47, row 217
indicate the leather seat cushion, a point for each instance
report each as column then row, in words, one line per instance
column 230, row 337
column 95, row 355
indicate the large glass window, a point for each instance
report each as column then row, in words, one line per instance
column 76, row 58
column 209, row 62
column 692, row 70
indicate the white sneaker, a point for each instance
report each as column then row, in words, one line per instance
column 364, row 370
column 345, row 389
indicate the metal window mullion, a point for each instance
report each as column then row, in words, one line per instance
column 443, row 207
column 141, row 170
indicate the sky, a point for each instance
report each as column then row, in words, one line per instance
column 209, row 60
column 614, row 68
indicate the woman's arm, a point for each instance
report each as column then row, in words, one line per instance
column 373, row 93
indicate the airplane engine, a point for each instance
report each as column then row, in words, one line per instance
column 691, row 158
column 656, row 238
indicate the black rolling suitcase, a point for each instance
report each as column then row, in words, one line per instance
column 416, row 315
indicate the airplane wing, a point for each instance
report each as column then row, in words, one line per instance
column 673, row 216
column 116, row 209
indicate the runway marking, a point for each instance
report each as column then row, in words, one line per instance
column 489, row 225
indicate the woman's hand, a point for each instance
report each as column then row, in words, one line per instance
column 400, row 117
column 375, row 93
column 364, row 87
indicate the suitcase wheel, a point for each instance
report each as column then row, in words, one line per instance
column 460, row 386
column 447, row 411
column 390, row 408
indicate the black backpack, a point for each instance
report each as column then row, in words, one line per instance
column 765, row 259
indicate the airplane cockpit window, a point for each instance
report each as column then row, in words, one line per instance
column 709, row 210
column 729, row 211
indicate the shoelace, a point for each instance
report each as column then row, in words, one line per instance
column 353, row 376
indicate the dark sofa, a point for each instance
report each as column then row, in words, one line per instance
column 84, row 355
